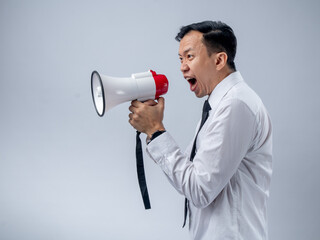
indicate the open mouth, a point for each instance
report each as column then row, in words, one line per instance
column 192, row 81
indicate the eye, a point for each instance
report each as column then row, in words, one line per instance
column 189, row 56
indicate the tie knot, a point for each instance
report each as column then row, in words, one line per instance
column 206, row 107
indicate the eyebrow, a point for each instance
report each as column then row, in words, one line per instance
column 185, row 51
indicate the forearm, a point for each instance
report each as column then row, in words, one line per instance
column 180, row 171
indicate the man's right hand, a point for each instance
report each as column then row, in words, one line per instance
column 147, row 116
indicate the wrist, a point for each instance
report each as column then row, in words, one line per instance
column 159, row 127
column 154, row 135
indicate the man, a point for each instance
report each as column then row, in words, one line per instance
column 225, row 173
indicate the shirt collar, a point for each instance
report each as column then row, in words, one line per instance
column 222, row 89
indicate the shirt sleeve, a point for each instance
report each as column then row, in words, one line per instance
column 221, row 145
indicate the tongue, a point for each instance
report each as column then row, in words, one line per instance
column 193, row 84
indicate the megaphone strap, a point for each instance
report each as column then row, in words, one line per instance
column 140, row 172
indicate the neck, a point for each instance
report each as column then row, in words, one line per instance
column 222, row 74
column 225, row 73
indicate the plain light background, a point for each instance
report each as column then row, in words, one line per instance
column 66, row 173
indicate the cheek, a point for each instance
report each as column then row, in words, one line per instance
column 195, row 67
column 204, row 79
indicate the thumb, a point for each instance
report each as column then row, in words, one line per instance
column 161, row 102
column 150, row 102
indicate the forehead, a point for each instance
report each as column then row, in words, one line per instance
column 191, row 41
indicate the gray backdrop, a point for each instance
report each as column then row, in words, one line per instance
column 67, row 174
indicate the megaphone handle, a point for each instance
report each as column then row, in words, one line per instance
column 140, row 172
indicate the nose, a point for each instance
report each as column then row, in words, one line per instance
column 184, row 67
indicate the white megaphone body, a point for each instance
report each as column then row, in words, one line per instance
column 108, row 92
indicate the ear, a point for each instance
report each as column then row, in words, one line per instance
column 221, row 60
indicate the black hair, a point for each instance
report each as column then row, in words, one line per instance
column 217, row 37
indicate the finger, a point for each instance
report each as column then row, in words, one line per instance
column 132, row 108
column 136, row 103
column 161, row 102
column 130, row 121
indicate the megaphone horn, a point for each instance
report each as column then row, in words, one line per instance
column 108, row 92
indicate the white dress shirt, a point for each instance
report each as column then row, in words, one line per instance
column 227, row 184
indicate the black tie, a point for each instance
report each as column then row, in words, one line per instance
column 205, row 113
column 140, row 172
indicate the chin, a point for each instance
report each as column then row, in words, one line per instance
column 198, row 95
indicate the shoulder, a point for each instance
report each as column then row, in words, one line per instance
column 242, row 97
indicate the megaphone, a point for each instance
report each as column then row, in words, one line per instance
column 108, row 92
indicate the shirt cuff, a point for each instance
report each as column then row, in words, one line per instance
column 161, row 146
column 154, row 135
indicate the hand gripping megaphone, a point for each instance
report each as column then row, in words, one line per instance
column 108, row 92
